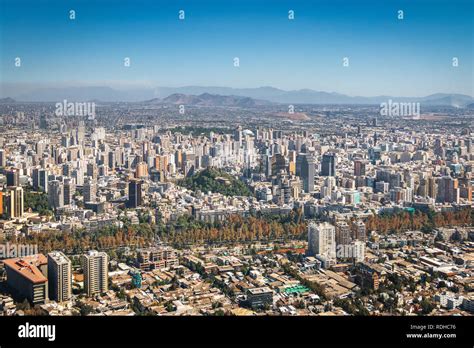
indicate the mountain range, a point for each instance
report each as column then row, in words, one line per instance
column 207, row 99
column 209, row 96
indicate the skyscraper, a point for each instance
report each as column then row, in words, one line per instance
column 13, row 177
column 328, row 165
column 69, row 189
column 135, row 193
column 95, row 266
column 14, row 202
column 308, row 171
column 59, row 276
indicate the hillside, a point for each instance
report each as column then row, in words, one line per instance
column 215, row 180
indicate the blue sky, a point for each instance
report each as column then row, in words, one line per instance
column 409, row 57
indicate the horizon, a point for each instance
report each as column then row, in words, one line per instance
column 134, row 87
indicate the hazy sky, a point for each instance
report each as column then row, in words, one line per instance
column 409, row 57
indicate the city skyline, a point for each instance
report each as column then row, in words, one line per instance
column 250, row 159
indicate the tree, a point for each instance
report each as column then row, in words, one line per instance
column 426, row 306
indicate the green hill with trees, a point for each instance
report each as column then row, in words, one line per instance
column 215, row 180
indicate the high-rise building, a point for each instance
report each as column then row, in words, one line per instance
column 111, row 160
column 360, row 231
column 55, row 194
column 3, row 158
column 360, row 167
column 42, row 180
column 14, row 202
column 308, row 171
column 448, row 190
column 95, row 267
column 92, row 170
column 141, row 171
column 13, row 177
column 59, row 276
column 69, row 189
column 90, row 190
column 328, row 165
column 322, row 242
column 135, row 193
column 343, row 233
column 278, row 163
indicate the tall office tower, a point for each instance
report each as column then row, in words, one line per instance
column 308, row 171
column 43, row 179
column 35, row 179
column 135, row 194
column 90, row 190
column 3, row 158
column 268, row 165
column 95, row 267
column 343, row 233
column 299, row 163
column 328, row 165
column 360, row 231
column 359, row 167
column 13, row 177
column 14, row 202
column 69, row 189
column 59, row 276
column 322, row 242
column 55, row 194
column 92, row 170
column 238, row 135
column 111, row 159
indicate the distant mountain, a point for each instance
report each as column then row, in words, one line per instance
column 439, row 99
column 309, row 96
column 207, row 99
column 7, row 100
column 208, row 96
